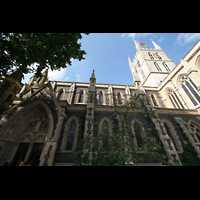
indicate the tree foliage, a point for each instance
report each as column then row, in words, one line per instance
column 190, row 156
column 120, row 148
column 49, row 50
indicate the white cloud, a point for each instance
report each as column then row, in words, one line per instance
column 161, row 39
column 184, row 38
column 134, row 35
column 57, row 75
column 52, row 75
column 78, row 77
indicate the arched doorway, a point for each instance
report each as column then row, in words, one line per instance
column 25, row 133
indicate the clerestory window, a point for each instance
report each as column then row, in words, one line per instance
column 190, row 89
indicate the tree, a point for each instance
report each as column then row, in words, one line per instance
column 119, row 148
column 49, row 50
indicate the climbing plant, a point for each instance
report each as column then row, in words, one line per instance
column 190, row 157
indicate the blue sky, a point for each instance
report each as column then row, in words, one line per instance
column 107, row 54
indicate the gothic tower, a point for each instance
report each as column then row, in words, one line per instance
column 152, row 66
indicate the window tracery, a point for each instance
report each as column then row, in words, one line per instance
column 166, row 67
column 157, row 66
column 174, row 99
column 190, row 89
column 156, row 55
column 150, row 55
column 40, row 124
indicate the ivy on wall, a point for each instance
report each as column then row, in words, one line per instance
column 189, row 157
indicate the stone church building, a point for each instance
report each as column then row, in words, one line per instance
column 42, row 121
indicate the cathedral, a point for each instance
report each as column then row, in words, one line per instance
column 42, row 121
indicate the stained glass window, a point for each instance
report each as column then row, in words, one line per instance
column 119, row 98
column 101, row 98
column 81, row 97
column 70, row 137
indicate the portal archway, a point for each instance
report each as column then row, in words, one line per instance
column 25, row 133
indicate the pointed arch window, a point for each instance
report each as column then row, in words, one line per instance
column 154, row 100
column 174, row 99
column 150, row 55
column 105, row 134
column 81, row 97
column 156, row 55
column 190, row 89
column 157, row 66
column 60, row 96
column 101, row 98
column 70, row 137
column 119, row 97
column 166, row 66
column 138, row 135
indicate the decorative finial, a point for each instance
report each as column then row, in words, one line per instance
column 93, row 76
column 155, row 45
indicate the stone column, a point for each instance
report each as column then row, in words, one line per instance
column 90, row 110
column 49, row 150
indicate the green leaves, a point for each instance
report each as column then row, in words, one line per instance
column 190, row 157
column 52, row 50
column 121, row 147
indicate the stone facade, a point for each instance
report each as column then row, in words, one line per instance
column 47, row 119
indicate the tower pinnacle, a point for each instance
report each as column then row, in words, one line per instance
column 155, row 45
column 137, row 46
